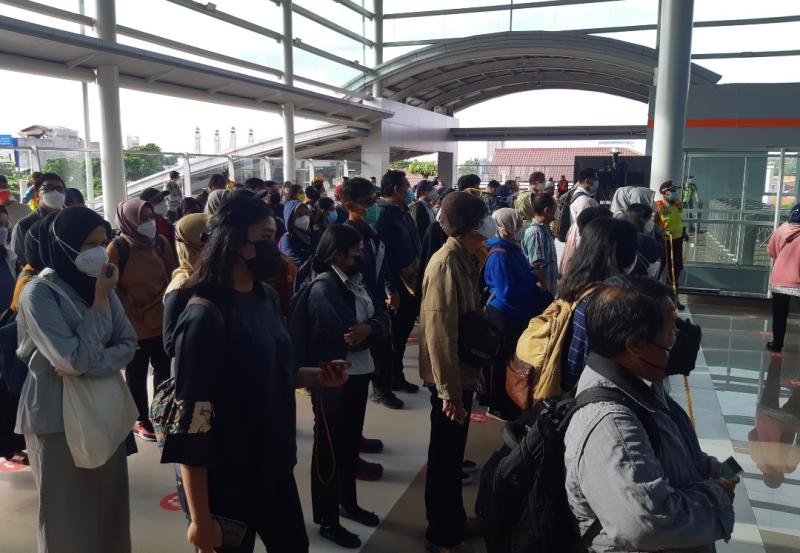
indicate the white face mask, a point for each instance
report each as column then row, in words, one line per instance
column 433, row 196
column 148, row 229
column 303, row 223
column 53, row 199
column 649, row 226
column 161, row 209
column 91, row 262
column 487, row 228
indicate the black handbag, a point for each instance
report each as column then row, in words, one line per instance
column 479, row 341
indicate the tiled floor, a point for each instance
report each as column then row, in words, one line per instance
column 746, row 403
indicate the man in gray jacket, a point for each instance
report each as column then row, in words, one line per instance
column 672, row 500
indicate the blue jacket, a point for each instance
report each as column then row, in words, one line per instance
column 511, row 281
column 290, row 244
column 398, row 231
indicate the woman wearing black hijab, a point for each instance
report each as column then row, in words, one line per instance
column 72, row 325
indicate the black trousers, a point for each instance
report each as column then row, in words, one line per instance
column 780, row 315
column 443, row 500
column 673, row 255
column 403, row 321
column 150, row 352
column 275, row 515
column 10, row 442
column 511, row 330
column 338, row 424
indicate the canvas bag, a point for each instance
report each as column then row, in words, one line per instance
column 98, row 412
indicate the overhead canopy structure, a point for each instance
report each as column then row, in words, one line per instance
column 456, row 74
column 32, row 48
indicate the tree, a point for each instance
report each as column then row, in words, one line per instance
column 68, row 169
column 469, row 167
column 424, row 168
column 151, row 160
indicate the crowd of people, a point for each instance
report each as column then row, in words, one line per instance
column 240, row 296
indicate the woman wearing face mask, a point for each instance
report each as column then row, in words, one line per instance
column 145, row 262
column 340, row 318
column 158, row 199
column 228, row 365
column 191, row 232
column 215, row 201
column 53, row 196
column 649, row 251
column 422, row 210
column 325, row 216
column 296, row 243
column 71, row 325
column 514, row 298
column 580, row 199
column 608, row 248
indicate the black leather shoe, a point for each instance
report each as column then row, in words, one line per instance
column 388, row 399
column 360, row 515
column 338, row 535
column 368, row 472
column 405, row 386
column 370, row 446
column 772, row 346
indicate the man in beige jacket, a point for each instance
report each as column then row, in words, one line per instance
column 450, row 289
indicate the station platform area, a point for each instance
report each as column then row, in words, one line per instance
column 746, row 402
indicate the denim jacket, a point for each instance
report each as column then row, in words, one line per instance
column 644, row 501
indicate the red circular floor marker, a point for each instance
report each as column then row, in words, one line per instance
column 171, row 502
column 11, row 466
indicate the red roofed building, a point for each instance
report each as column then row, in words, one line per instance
column 519, row 163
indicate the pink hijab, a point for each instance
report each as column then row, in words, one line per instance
column 129, row 217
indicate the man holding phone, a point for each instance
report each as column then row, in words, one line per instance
column 539, row 243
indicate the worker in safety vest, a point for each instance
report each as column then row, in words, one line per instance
column 669, row 219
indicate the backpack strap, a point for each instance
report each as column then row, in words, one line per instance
column 123, row 252
column 211, row 307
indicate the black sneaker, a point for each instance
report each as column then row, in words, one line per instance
column 388, row 399
column 360, row 515
column 338, row 535
column 368, row 472
column 774, row 346
column 369, row 446
column 405, row 386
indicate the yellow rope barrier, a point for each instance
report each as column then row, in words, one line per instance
column 687, row 389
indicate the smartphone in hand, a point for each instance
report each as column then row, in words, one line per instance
column 730, row 469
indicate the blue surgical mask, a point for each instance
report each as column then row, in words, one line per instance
column 373, row 212
column 333, row 217
column 409, row 197
column 595, row 185
column 673, row 195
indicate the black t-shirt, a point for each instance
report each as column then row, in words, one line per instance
column 235, row 391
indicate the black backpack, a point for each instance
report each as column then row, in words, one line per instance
column 522, row 504
column 566, row 216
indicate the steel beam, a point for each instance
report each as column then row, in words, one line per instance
column 737, row 55
column 550, row 133
column 492, row 8
column 356, row 8
column 50, row 11
column 228, row 18
column 308, row 14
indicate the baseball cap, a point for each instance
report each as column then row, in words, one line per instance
column 667, row 186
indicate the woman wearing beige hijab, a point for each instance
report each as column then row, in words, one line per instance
column 514, row 298
column 190, row 236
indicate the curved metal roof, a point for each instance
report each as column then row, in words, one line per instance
column 456, row 74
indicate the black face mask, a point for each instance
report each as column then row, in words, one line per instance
column 354, row 268
column 266, row 261
column 275, row 199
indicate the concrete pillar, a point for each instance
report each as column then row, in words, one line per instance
column 447, row 168
column 375, row 153
column 289, row 172
column 112, row 167
column 377, row 86
column 187, row 176
column 672, row 90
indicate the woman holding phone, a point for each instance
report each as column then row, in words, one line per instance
column 73, row 326
column 341, row 320
column 234, row 434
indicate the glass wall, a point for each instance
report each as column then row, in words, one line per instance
column 731, row 216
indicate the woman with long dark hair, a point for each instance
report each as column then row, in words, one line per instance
column 73, row 332
column 607, row 248
column 341, row 320
column 235, row 380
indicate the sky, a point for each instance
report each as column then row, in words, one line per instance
column 171, row 122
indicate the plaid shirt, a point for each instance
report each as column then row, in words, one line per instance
column 539, row 246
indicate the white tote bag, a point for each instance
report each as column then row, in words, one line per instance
column 98, row 412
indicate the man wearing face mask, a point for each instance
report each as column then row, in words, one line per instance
column 296, row 243
column 160, row 203
column 52, row 195
column 646, row 497
column 422, row 209
column 450, row 289
column 146, row 262
column 397, row 230
column 669, row 219
column 580, row 200
column 16, row 210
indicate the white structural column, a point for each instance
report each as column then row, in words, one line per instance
column 672, row 90
column 112, row 169
column 377, row 86
column 87, row 132
column 289, row 172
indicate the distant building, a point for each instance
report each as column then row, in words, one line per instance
column 131, row 141
column 519, row 163
column 45, row 138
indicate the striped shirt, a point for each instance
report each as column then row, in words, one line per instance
column 578, row 341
